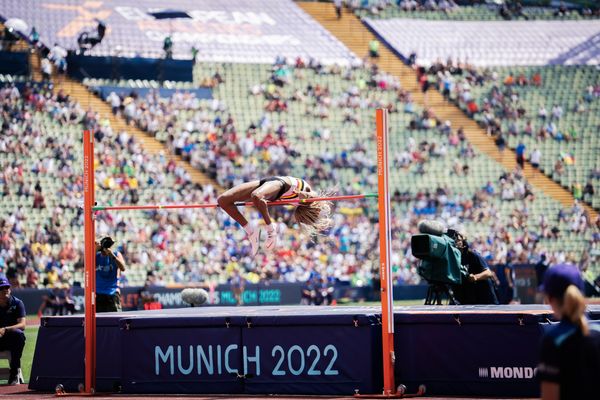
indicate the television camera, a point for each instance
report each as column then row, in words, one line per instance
column 439, row 250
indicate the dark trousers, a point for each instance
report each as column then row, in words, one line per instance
column 108, row 303
column 13, row 341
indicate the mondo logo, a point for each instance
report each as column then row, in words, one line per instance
column 506, row 372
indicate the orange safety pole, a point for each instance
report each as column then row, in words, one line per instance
column 385, row 242
column 90, row 263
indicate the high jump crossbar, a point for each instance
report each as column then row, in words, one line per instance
column 387, row 314
column 246, row 204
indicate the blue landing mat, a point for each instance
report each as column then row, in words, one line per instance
column 453, row 350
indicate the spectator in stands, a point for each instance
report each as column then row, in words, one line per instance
column 542, row 113
column 13, row 278
column 12, row 325
column 577, row 191
column 34, row 36
column 559, row 168
column 374, row 48
column 337, row 4
column 504, row 11
column 59, row 56
column 561, row 11
column 588, row 189
column 146, row 300
column 520, row 152
column 535, row 158
column 38, row 200
column 569, row 365
column 46, row 67
column 32, row 277
column 108, row 265
column 115, row 102
column 168, row 47
column 557, row 112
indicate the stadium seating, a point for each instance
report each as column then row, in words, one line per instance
column 250, row 109
column 584, row 148
column 316, row 122
column 477, row 12
column 481, row 43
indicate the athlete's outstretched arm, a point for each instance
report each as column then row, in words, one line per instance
column 237, row 193
column 262, row 195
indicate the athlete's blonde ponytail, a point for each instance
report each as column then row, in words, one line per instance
column 314, row 216
column 573, row 308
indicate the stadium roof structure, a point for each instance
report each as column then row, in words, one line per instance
column 223, row 31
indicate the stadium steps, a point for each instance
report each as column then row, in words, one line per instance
column 35, row 66
column 88, row 100
column 351, row 32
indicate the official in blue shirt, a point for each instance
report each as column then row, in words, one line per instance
column 569, row 365
column 12, row 325
column 108, row 265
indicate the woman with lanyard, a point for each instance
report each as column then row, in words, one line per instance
column 313, row 217
column 570, row 356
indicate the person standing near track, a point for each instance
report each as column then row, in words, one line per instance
column 569, row 365
column 108, row 265
column 313, row 217
column 12, row 326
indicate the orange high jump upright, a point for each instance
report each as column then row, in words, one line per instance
column 385, row 243
column 90, row 263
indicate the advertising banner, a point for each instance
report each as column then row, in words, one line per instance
column 469, row 355
column 252, row 295
column 243, row 31
column 301, row 354
column 194, row 357
column 317, row 360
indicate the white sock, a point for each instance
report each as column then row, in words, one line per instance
column 248, row 228
column 270, row 229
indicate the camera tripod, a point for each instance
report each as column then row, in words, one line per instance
column 437, row 291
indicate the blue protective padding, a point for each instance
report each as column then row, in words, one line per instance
column 453, row 350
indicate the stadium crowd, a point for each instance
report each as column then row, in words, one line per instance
column 190, row 246
column 504, row 113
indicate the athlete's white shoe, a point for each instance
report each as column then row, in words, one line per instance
column 254, row 238
column 272, row 242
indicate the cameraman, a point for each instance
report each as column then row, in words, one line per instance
column 108, row 265
column 479, row 287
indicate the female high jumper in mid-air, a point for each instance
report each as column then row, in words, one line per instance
column 313, row 216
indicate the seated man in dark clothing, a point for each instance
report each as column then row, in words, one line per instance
column 51, row 302
column 12, row 325
column 479, row 286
